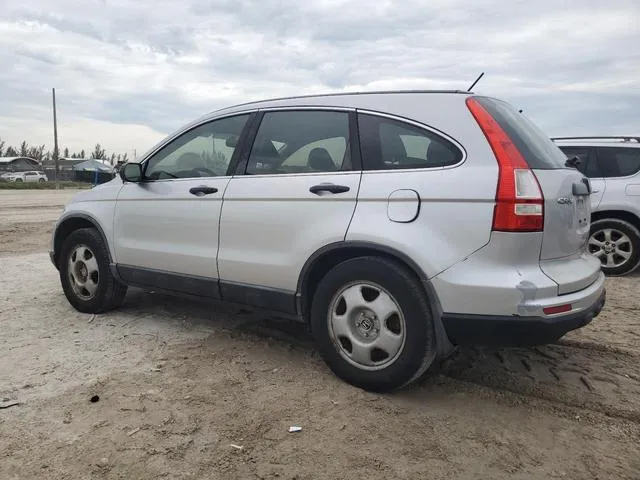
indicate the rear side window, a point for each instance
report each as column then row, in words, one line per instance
column 618, row 161
column 536, row 147
column 301, row 142
column 588, row 165
column 388, row 144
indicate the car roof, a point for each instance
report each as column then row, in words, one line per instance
column 594, row 141
column 397, row 102
column 338, row 99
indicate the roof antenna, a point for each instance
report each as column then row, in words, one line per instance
column 474, row 83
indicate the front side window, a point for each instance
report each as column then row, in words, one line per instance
column 204, row 151
column 618, row 161
column 301, row 142
column 388, row 144
column 587, row 166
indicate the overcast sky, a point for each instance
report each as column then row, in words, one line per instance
column 128, row 72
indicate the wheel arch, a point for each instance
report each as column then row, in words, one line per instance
column 616, row 215
column 72, row 223
column 327, row 257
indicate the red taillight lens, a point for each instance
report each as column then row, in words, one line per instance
column 557, row 309
column 519, row 200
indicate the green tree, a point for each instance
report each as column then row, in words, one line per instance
column 99, row 153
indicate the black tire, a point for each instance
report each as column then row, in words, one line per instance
column 42, row 180
column 110, row 293
column 419, row 348
column 623, row 227
column 18, row 180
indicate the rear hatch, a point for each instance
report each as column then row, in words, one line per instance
column 567, row 209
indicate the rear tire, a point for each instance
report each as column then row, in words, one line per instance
column 617, row 244
column 85, row 274
column 42, row 180
column 372, row 324
column 18, row 180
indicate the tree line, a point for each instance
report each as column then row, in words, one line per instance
column 43, row 155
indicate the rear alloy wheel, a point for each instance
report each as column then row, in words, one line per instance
column 372, row 324
column 42, row 180
column 85, row 275
column 617, row 244
column 18, row 180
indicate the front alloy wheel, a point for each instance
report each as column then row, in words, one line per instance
column 85, row 274
column 616, row 244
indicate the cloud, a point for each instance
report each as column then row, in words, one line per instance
column 128, row 72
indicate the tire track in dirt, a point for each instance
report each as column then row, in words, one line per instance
column 600, row 379
column 597, row 377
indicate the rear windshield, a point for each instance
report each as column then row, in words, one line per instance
column 535, row 146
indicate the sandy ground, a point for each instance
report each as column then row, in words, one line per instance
column 189, row 389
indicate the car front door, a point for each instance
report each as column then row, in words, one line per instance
column 295, row 192
column 589, row 167
column 166, row 227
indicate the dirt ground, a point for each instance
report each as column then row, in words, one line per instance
column 188, row 389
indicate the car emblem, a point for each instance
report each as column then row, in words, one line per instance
column 565, row 201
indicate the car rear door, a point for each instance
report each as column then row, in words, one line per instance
column 294, row 193
column 567, row 208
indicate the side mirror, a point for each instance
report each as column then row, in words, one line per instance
column 131, row 172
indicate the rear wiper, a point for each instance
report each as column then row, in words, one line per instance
column 572, row 162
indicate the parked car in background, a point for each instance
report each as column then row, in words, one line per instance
column 30, row 176
column 397, row 224
column 613, row 166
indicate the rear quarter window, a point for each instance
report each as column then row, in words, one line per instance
column 534, row 145
column 389, row 144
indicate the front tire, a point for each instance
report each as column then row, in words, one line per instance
column 85, row 274
column 372, row 324
column 617, row 244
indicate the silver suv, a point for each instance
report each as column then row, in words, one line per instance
column 397, row 224
column 613, row 167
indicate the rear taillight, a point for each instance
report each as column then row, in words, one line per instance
column 519, row 199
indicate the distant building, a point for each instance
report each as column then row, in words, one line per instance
column 91, row 165
column 64, row 164
column 18, row 164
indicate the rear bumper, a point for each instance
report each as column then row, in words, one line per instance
column 469, row 329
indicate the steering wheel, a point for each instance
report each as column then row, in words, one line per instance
column 207, row 172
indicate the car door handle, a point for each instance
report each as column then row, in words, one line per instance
column 328, row 187
column 202, row 190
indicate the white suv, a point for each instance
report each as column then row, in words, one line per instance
column 397, row 224
column 613, row 166
column 27, row 177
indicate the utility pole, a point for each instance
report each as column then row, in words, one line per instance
column 55, row 138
